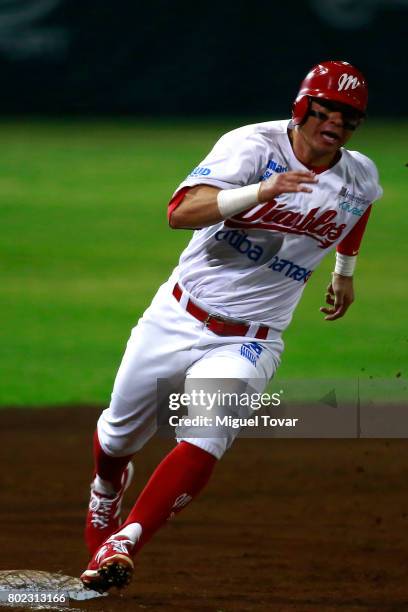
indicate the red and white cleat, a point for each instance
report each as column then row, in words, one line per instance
column 111, row 565
column 103, row 517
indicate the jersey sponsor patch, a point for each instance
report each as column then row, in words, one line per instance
column 353, row 210
column 272, row 167
column 349, row 196
column 290, row 269
column 200, row 171
column 352, row 203
column 251, row 351
column 241, row 243
column 275, row 216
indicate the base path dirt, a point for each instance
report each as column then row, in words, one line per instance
column 284, row 525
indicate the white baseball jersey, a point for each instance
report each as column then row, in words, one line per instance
column 255, row 265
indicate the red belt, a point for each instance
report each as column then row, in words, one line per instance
column 217, row 324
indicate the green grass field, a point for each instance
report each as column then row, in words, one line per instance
column 85, row 243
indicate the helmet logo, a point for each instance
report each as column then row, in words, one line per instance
column 347, row 81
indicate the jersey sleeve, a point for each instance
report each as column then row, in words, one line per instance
column 233, row 162
column 368, row 175
column 351, row 243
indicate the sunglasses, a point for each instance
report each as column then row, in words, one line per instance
column 351, row 118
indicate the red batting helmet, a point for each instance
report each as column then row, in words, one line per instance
column 336, row 81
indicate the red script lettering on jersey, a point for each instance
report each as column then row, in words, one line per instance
column 274, row 216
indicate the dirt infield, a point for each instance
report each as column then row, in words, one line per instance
column 284, row 525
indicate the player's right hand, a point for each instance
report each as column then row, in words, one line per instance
column 286, row 182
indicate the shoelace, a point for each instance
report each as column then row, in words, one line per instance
column 121, row 546
column 101, row 508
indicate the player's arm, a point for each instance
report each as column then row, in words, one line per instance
column 340, row 291
column 204, row 205
column 198, row 208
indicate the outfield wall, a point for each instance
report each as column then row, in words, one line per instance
column 192, row 58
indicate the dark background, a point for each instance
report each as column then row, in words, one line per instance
column 189, row 59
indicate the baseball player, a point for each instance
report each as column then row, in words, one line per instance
column 267, row 203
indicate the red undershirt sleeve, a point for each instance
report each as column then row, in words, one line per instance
column 176, row 200
column 351, row 243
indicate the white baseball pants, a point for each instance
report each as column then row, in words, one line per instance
column 169, row 343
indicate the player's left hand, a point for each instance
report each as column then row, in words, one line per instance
column 340, row 295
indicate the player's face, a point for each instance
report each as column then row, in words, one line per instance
column 329, row 126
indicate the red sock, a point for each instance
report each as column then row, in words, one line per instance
column 181, row 475
column 107, row 467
